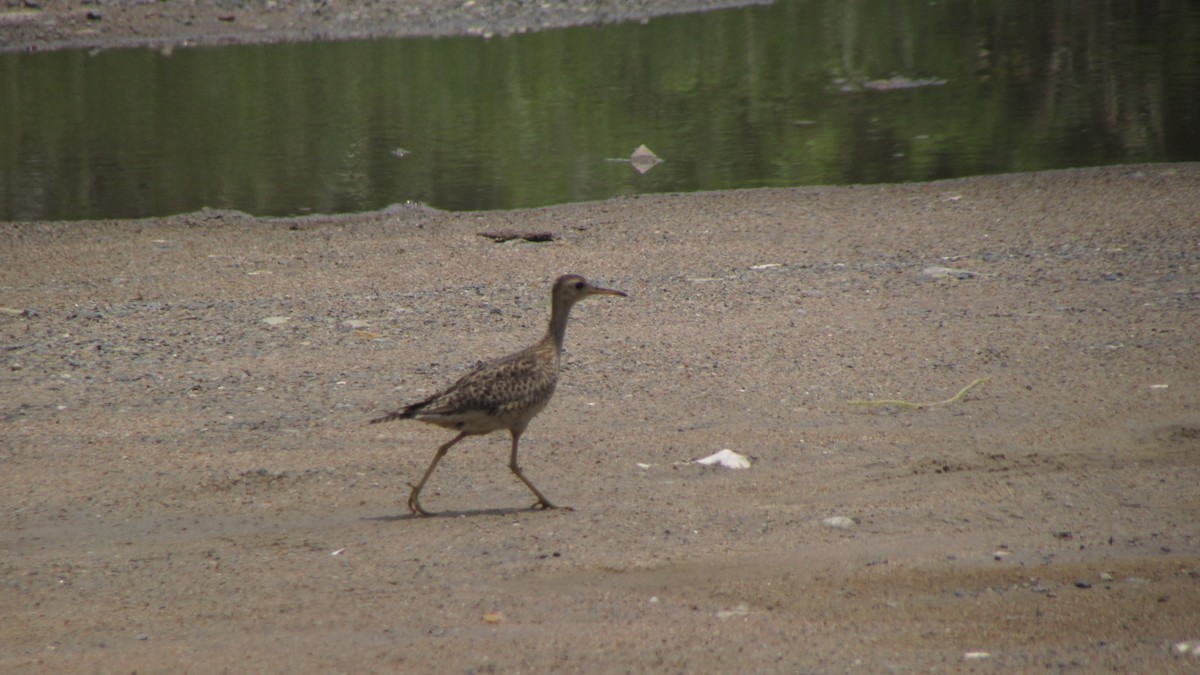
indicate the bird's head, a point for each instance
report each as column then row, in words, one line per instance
column 571, row 288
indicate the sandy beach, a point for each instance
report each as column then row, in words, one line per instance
column 190, row 482
column 40, row 25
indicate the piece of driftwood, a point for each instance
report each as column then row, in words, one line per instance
column 508, row 235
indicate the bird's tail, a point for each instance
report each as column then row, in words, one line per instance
column 394, row 415
column 406, row 413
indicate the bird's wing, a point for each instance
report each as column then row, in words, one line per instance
column 494, row 386
column 498, row 389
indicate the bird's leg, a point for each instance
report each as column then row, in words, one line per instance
column 414, row 502
column 512, row 464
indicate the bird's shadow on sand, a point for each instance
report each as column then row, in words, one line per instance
column 470, row 513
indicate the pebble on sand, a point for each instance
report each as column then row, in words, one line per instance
column 1187, row 648
column 840, row 522
column 740, row 610
column 726, row 458
column 936, row 272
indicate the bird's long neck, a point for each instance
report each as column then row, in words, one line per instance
column 557, row 330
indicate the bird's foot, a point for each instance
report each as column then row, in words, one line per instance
column 414, row 504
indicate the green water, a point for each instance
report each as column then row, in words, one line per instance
column 788, row 94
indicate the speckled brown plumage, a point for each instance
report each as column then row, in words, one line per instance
column 505, row 393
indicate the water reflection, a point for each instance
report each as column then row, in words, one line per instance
column 819, row 92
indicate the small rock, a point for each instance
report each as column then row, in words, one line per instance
column 1080, row 583
column 935, row 272
column 276, row 320
column 1187, row 647
column 740, row 610
column 726, row 458
column 643, row 159
column 839, row 522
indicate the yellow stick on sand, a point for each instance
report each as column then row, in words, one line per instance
column 910, row 404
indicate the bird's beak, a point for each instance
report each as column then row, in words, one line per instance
column 606, row 291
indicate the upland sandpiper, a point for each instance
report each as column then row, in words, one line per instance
column 505, row 393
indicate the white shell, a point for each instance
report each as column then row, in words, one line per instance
column 726, row 458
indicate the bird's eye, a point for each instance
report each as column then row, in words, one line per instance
column 579, row 285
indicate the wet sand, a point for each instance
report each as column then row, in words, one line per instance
column 190, row 482
column 190, row 487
